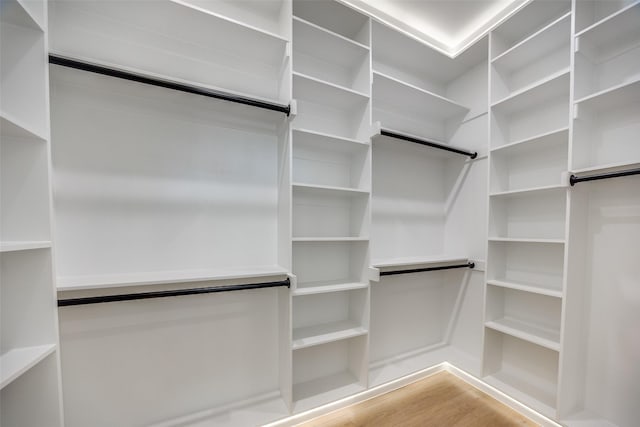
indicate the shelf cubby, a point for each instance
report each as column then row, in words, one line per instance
column 199, row 46
column 24, row 189
column 530, row 264
column 591, row 14
column 539, row 215
column 327, row 317
column 525, row 371
column 402, row 106
column 537, row 109
column 528, row 21
column 606, row 128
column 529, row 316
column 534, row 163
column 608, row 54
column 328, row 266
column 328, row 372
column 23, row 73
column 327, row 108
column 329, row 212
column 330, row 57
column 335, row 17
column 27, row 303
column 542, row 54
column 269, row 16
column 325, row 160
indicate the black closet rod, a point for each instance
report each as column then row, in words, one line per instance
column 420, row 270
column 396, row 135
column 574, row 179
column 170, row 293
column 167, row 84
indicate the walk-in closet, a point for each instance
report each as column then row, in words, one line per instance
column 256, row 212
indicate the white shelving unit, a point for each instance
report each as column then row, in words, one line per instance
column 528, row 199
column 330, row 205
column 29, row 356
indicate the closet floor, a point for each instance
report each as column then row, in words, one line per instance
column 441, row 400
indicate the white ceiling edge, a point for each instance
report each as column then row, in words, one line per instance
column 450, row 50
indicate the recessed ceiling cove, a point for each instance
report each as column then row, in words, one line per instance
column 448, row 25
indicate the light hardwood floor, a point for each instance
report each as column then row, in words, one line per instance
column 440, row 400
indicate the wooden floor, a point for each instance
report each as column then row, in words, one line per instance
column 440, row 400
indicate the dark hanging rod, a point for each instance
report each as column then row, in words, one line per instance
column 171, row 293
column 573, row 179
column 167, row 84
column 420, row 270
column 396, row 135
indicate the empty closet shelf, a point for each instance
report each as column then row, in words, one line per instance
column 17, row 361
column 72, row 283
column 11, row 246
column 532, row 288
column 13, row 127
column 534, row 334
column 313, row 393
column 525, row 240
column 422, row 141
column 328, row 190
column 617, row 96
column 544, row 188
column 325, row 333
column 330, row 239
column 167, row 84
column 312, row 288
column 535, row 94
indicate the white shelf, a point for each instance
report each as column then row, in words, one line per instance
column 528, row 332
column 540, row 43
column 535, row 289
column 16, row 13
column 562, row 132
column 163, row 277
column 390, row 93
column 586, row 419
column 314, row 393
column 326, row 333
column 611, row 167
column 522, row 240
column 352, row 24
column 18, row 361
column 330, row 239
column 9, row 246
column 312, row 288
column 527, row 190
column 427, row 261
column 332, row 34
column 611, row 35
column 622, row 94
column 325, row 92
column 13, row 127
column 330, row 138
column 550, row 87
column 329, row 190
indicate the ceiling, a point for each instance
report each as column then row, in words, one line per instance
column 448, row 25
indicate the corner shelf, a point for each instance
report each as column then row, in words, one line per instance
column 527, row 190
column 537, row 93
column 622, row 94
column 331, row 33
column 394, row 94
column 327, row 92
column 329, row 190
column 335, row 140
column 17, row 361
column 12, row 246
column 527, row 331
column 560, row 133
column 325, row 333
column 165, row 277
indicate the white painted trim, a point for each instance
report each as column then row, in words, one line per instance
column 409, row 379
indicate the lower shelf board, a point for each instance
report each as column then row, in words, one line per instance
column 326, row 287
column 12, row 246
column 326, row 333
column 317, row 392
column 540, row 399
column 392, row 368
column 19, row 360
column 586, row 419
column 532, row 333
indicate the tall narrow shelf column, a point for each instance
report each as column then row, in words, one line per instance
column 530, row 74
column 330, row 187
column 29, row 352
